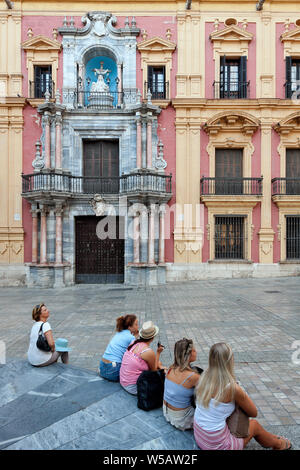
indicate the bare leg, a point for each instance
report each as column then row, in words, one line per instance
column 65, row 357
column 263, row 437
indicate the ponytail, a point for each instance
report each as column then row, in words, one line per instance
column 124, row 322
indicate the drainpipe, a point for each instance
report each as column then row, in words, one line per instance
column 9, row 4
column 259, row 5
column 188, row 4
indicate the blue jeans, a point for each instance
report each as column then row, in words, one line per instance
column 110, row 371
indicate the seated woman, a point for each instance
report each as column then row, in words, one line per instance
column 180, row 384
column 36, row 356
column 127, row 328
column 216, row 395
column 139, row 357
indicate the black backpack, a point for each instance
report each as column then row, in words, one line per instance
column 150, row 389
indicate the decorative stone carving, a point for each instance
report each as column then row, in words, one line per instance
column 160, row 163
column 98, row 204
column 38, row 163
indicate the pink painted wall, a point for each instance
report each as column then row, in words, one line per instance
column 275, row 172
column 166, row 120
column 210, row 63
column 204, row 171
column 280, row 63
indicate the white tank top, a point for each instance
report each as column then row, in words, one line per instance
column 214, row 417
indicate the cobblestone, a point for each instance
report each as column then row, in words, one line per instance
column 259, row 324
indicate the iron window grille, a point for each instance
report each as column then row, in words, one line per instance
column 293, row 237
column 233, row 82
column 230, row 237
column 292, row 84
column 42, row 82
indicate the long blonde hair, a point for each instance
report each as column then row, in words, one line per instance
column 219, row 378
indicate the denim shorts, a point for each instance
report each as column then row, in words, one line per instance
column 110, row 371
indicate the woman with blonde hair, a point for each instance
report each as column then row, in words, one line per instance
column 216, row 395
column 127, row 328
column 180, row 383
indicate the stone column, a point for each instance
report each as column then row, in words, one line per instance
column 138, row 141
column 34, row 214
column 58, row 125
column 47, row 140
column 43, row 242
column 80, row 84
column 266, row 233
column 58, row 234
column 151, row 234
column 149, row 141
column 136, row 238
column 162, row 235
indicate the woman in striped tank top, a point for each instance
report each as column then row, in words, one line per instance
column 216, row 395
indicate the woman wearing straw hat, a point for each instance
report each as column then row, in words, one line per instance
column 38, row 357
column 139, row 357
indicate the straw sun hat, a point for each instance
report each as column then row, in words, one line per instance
column 148, row 330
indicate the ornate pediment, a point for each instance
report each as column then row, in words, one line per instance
column 233, row 122
column 293, row 35
column 288, row 124
column 41, row 43
column 231, row 33
column 156, row 44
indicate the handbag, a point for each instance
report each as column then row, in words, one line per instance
column 42, row 342
column 238, row 422
column 150, row 389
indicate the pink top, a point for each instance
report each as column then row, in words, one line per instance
column 133, row 365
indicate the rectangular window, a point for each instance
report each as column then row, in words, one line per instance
column 293, row 237
column 233, row 78
column 156, row 83
column 292, row 163
column 230, row 240
column 101, row 166
column 42, row 81
column 292, row 77
column 229, row 171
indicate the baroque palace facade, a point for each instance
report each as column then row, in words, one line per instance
column 146, row 142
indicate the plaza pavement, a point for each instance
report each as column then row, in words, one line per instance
column 71, row 407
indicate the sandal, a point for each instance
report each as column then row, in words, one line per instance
column 288, row 444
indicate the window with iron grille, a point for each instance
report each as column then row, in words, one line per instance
column 42, row 81
column 230, row 237
column 293, row 237
column 156, row 82
column 292, row 67
column 233, row 77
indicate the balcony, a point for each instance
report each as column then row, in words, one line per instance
column 231, row 90
column 159, row 90
column 228, row 186
column 292, row 90
column 286, row 187
column 38, row 88
column 49, row 183
column 101, row 101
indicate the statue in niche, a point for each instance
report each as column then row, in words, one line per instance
column 100, row 85
column 100, row 96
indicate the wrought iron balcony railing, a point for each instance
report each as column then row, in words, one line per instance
column 292, row 90
column 66, row 183
column 95, row 100
column 231, row 186
column 231, row 90
column 38, row 88
column 159, row 90
column 286, row 186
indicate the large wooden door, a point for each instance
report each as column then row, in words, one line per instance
column 101, row 166
column 99, row 261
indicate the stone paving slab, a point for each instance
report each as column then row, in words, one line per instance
column 259, row 318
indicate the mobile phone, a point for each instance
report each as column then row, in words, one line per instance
column 159, row 344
